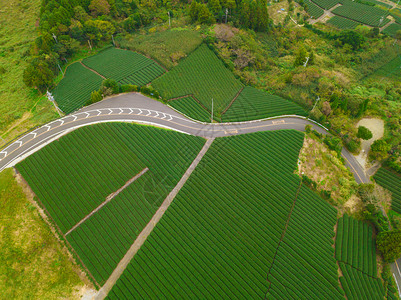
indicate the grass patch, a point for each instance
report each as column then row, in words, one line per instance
column 33, row 264
column 20, row 108
column 166, row 47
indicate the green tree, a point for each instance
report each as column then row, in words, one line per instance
column 300, row 57
column 204, row 15
column 96, row 96
column 214, row 6
column 311, row 60
column 352, row 38
column 194, row 11
column 364, row 133
column 99, row 7
column 110, row 84
column 38, row 75
column 389, row 244
column 379, row 149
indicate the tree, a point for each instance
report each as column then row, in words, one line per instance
column 204, row 15
column 379, row 149
column 39, row 75
column 389, row 244
column 364, row 133
column 300, row 57
column 96, row 96
column 214, row 6
column 398, row 35
column 194, row 11
column 311, row 60
column 326, row 108
column 110, row 84
column 99, row 7
column 352, row 38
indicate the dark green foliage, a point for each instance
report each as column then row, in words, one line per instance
column 96, row 96
column 352, row 38
column 353, row 145
column 334, row 143
column 379, row 149
column 150, row 91
column 300, row 57
column 364, row 133
column 253, row 14
column 392, row 182
column 110, row 84
column 392, row 30
column 72, row 177
column 126, row 88
column 389, row 244
column 39, row 75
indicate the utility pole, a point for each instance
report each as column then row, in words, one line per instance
column 169, row 19
column 112, row 37
column 381, row 20
column 60, row 69
column 211, row 118
column 51, row 99
column 226, row 14
column 317, row 100
column 90, row 46
column 55, row 37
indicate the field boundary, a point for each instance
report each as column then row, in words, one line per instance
column 108, row 199
column 52, row 223
column 232, row 101
column 97, row 73
column 345, row 263
column 122, row 265
column 283, row 234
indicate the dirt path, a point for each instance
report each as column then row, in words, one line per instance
column 150, row 226
column 376, row 126
column 108, row 199
column 85, row 66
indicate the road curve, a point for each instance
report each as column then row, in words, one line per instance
column 135, row 107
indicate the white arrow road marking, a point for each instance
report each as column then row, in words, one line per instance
column 5, row 154
column 75, row 118
column 98, row 113
column 157, row 114
column 111, row 111
column 121, row 111
column 164, row 115
column 131, row 111
column 48, row 127
column 18, row 142
column 140, row 111
column 34, row 134
column 149, row 113
column 87, row 114
column 171, row 117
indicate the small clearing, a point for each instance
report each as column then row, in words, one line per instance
column 376, row 126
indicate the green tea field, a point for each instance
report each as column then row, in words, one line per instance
column 126, row 67
column 76, row 87
column 392, row 182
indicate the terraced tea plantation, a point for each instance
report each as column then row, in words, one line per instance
column 76, row 87
column 369, row 15
column 342, row 23
column 355, row 251
column 314, row 10
column 253, row 104
column 392, row 29
column 203, row 76
column 190, row 107
column 72, row 177
column 392, row 182
column 126, row 67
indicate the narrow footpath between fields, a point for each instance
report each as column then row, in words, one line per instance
column 122, row 265
column 108, row 199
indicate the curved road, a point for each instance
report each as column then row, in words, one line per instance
column 134, row 107
column 137, row 108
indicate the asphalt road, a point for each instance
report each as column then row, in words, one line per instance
column 140, row 109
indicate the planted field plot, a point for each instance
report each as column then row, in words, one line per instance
column 203, row 75
column 191, row 108
column 378, row 3
column 392, row 182
column 326, row 4
column 76, row 87
column 72, row 177
column 342, row 23
column 253, row 104
column 124, row 66
column 396, row 14
column 358, row 285
column 219, row 237
column 355, row 245
column 391, row 70
column 392, row 29
column 304, row 267
column 314, row 10
column 365, row 14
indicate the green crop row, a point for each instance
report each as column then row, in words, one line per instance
column 365, row 14
column 314, row 10
column 189, row 107
column 253, row 104
column 124, row 66
column 392, row 29
column 203, row 75
column 326, row 4
column 342, row 23
column 219, row 236
column 392, row 182
column 75, row 88
column 304, row 267
column 74, row 175
column 358, row 285
column 355, row 245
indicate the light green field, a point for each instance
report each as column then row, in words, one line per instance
column 20, row 108
column 33, row 264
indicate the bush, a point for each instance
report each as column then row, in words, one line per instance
column 110, row 84
column 389, row 244
column 353, row 146
column 150, row 92
column 364, row 133
column 126, row 88
column 334, row 143
column 96, row 96
column 308, row 128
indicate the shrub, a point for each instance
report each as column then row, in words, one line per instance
column 353, row 146
column 96, row 96
column 364, row 133
column 148, row 90
column 389, row 244
column 112, row 85
column 126, row 88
